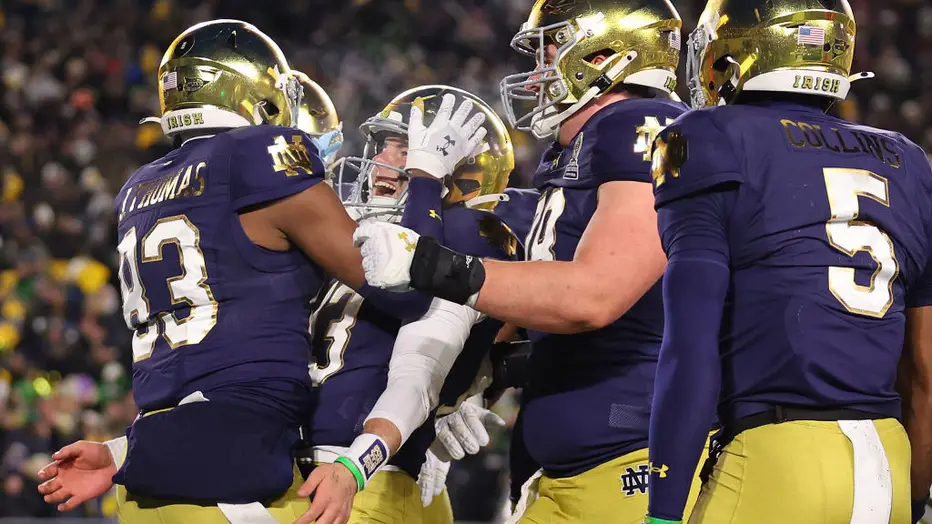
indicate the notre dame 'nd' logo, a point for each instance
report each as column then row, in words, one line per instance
column 669, row 156
column 290, row 157
column 498, row 234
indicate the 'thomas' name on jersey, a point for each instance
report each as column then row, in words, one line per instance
column 589, row 394
column 215, row 313
column 209, row 307
column 829, row 238
column 354, row 338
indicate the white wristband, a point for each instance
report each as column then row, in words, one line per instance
column 117, row 450
column 365, row 457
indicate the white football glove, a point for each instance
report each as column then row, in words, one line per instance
column 387, row 251
column 438, row 149
column 464, row 431
column 432, row 478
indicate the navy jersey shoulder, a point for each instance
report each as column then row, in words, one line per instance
column 692, row 154
column 270, row 162
column 613, row 145
column 209, row 308
column 828, row 237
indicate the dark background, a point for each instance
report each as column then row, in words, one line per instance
column 77, row 75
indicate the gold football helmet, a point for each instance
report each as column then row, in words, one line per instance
column 479, row 183
column 318, row 118
column 790, row 46
column 639, row 38
column 224, row 74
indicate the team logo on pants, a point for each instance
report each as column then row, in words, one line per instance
column 634, row 481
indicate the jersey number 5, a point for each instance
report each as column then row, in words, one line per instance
column 189, row 287
column 849, row 235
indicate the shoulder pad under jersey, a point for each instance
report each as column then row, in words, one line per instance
column 271, row 162
column 691, row 155
column 615, row 144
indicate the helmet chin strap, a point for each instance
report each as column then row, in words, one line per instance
column 485, row 199
column 549, row 126
column 860, row 76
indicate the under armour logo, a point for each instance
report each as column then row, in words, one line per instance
column 634, row 481
column 444, row 147
column 409, row 246
column 661, row 471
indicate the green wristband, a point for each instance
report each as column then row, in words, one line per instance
column 654, row 520
column 360, row 481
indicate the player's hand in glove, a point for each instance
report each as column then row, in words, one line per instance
column 80, row 472
column 387, row 251
column 438, row 149
column 464, row 431
column 433, row 478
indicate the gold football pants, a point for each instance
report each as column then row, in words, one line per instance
column 614, row 492
column 393, row 497
column 799, row 472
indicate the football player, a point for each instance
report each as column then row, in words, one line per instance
column 218, row 296
column 589, row 290
column 798, row 260
column 357, row 373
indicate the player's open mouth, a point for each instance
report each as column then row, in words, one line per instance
column 385, row 187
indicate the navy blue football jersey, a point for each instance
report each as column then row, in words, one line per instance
column 829, row 240
column 213, row 312
column 588, row 395
column 354, row 337
column 518, row 211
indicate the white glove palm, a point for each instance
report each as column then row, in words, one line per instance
column 438, row 149
column 433, row 478
column 464, row 431
column 387, row 251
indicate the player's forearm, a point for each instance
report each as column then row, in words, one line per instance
column 385, row 430
column 557, row 297
column 422, row 211
column 423, row 354
column 317, row 223
column 687, row 382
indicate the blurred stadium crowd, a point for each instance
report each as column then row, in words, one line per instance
column 77, row 76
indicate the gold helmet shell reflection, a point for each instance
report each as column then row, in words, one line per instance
column 479, row 183
column 791, row 46
column 316, row 113
column 224, row 74
column 487, row 174
column 639, row 38
column 318, row 117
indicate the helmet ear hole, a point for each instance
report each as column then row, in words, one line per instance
column 730, row 87
column 723, row 63
column 604, row 53
column 271, row 109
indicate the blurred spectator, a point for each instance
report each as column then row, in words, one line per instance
column 78, row 75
